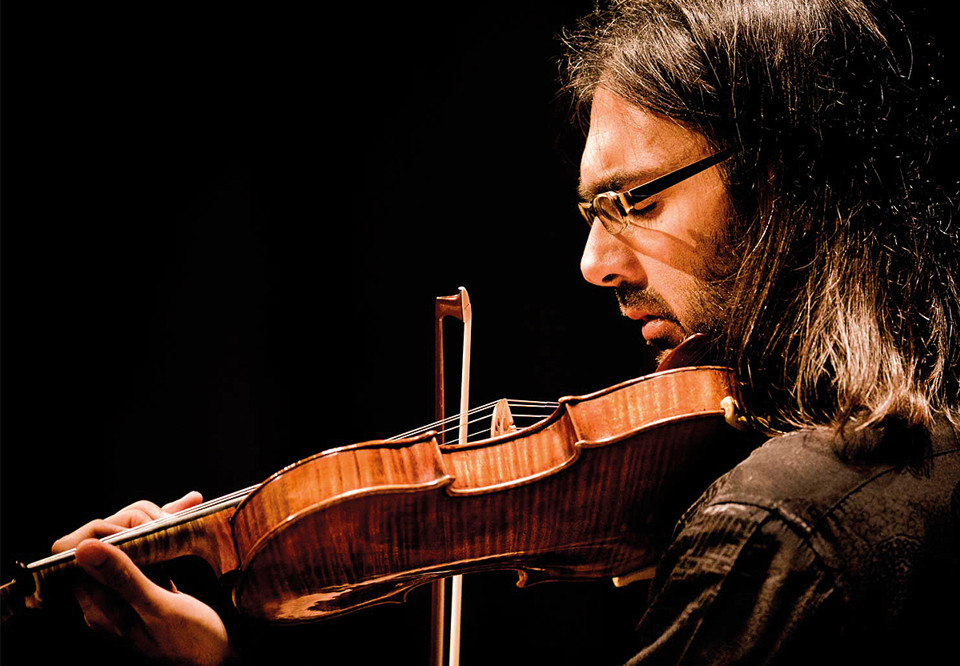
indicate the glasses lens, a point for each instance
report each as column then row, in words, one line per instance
column 608, row 210
column 586, row 210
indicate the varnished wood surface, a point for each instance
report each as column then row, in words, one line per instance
column 209, row 536
column 588, row 493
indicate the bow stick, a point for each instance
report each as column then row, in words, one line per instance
column 457, row 306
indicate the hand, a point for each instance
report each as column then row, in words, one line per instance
column 120, row 600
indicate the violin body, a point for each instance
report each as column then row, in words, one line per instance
column 591, row 492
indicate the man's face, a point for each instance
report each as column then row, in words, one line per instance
column 659, row 264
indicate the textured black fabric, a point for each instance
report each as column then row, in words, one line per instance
column 796, row 556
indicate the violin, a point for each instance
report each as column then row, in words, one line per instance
column 591, row 491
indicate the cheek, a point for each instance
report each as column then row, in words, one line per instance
column 675, row 285
column 702, row 229
column 675, row 249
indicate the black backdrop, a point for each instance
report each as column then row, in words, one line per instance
column 224, row 230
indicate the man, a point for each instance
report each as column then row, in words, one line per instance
column 824, row 269
column 802, row 239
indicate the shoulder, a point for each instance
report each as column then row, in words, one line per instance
column 885, row 532
column 795, row 542
column 854, row 516
column 799, row 479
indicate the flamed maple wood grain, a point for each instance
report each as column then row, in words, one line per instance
column 591, row 492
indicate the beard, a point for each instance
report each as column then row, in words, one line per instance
column 702, row 311
column 705, row 308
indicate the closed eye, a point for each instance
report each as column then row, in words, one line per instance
column 646, row 209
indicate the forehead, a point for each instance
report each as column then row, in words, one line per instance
column 627, row 145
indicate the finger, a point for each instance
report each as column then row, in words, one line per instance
column 111, row 567
column 133, row 515
column 191, row 499
column 141, row 508
column 95, row 529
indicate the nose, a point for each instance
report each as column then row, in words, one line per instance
column 609, row 261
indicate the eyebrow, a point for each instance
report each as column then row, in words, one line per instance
column 651, row 185
column 616, row 181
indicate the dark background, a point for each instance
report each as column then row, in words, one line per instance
column 223, row 233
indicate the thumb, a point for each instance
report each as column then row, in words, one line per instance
column 111, row 567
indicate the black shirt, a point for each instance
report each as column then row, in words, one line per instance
column 796, row 556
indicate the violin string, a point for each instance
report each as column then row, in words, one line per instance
column 484, row 417
column 228, row 499
column 477, row 414
column 211, row 506
column 443, row 425
column 442, row 422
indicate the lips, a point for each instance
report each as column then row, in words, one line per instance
column 662, row 333
column 659, row 330
column 658, row 325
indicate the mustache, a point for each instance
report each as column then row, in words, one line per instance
column 638, row 298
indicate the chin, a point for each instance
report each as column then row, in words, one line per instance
column 662, row 349
column 662, row 344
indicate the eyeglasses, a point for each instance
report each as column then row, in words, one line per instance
column 613, row 208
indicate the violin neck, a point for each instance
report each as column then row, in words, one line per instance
column 204, row 533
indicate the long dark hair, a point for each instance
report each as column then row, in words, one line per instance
column 842, row 305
